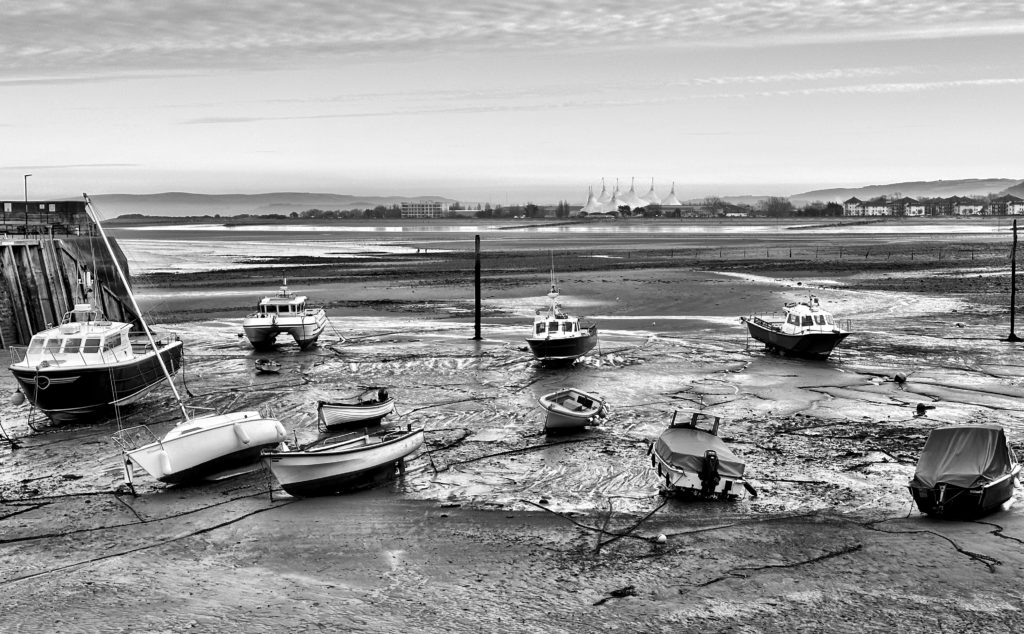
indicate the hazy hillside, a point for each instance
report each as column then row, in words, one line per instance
column 914, row 189
column 185, row 204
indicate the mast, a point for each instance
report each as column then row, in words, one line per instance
column 135, row 305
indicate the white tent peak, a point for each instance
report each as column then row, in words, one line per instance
column 671, row 199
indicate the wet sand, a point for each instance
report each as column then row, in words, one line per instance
column 495, row 525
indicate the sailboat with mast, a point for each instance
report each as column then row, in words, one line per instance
column 196, row 446
column 559, row 338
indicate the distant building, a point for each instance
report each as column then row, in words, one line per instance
column 968, row 207
column 424, row 209
column 1008, row 205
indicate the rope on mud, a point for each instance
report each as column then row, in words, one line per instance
column 736, row 574
column 194, row 533
column 632, row 528
column 126, row 524
column 989, row 561
column 515, row 451
column 601, row 531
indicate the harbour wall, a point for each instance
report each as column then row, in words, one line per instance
column 52, row 257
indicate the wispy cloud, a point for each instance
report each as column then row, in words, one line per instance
column 69, row 166
column 40, row 37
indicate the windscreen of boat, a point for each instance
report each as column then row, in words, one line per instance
column 965, row 456
column 684, row 448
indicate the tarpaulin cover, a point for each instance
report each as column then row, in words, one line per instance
column 965, row 456
column 684, row 447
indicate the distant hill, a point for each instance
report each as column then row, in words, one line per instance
column 185, row 204
column 914, row 189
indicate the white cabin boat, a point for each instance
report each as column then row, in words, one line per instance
column 286, row 313
column 557, row 337
column 805, row 329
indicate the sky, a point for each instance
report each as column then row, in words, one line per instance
column 497, row 101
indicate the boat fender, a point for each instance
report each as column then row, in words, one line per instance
column 279, row 428
column 242, row 434
column 165, row 463
column 750, row 489
column 654, row 463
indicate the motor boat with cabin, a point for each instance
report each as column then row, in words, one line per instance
column 87, row 366
column 964, row 472
column 286, row 313
column 336, row 464
column 693, row 461
column 805, row 329
column 559, row 338
column 570, row 409
column 369, row 407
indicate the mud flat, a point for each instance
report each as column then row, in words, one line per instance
column 495, row 525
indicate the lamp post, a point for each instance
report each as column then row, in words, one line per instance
column 26, row 203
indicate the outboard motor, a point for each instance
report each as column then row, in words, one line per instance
column 709, row 477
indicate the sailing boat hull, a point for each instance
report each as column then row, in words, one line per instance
column 83, row 393
column 207, row 445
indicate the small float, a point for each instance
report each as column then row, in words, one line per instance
column 267, row 366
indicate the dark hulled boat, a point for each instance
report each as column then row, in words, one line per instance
column 964, row 471
column 805, row 330
column 560, row 338
column 87, row 366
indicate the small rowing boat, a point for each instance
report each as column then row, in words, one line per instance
column 369, row 407
column 570, row 409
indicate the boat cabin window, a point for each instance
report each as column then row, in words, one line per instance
column 828, row 320
column 552, row 326
column 52, row 345
column 113, row 341
column 819, row 319
column 36, row 344
column 808, row 320
column 566, row 326
column 794, row 320
column 72, row 345
column 91, row 346
column 540, row 328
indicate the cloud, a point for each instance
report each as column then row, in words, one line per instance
column 54, row 37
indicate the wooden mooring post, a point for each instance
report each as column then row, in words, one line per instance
column 1013, row 284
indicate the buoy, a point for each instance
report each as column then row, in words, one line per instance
column 165, row 463
column 900, row 378
column 662, row 538
column 18, row 397
column 241, row 433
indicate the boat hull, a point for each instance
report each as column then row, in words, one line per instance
column 336, row 416
column 262, row 330
column 693, row 463
column 313, row 473
column 82, row 394
column 207, row 445
column 563, row 350
column 953, row 502
column 814, row 344
column 571, row 410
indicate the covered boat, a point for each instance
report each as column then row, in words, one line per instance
column 369, row 407
column 336, row 464
column 964, row 471
column 559, row 338
column 286, row 313
column 570, row 409
column 805, row 329
column 695, row 461
column 87, row 366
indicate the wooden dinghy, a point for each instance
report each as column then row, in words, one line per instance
column 570, row 409
column 366, row 408
column 337, row 464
